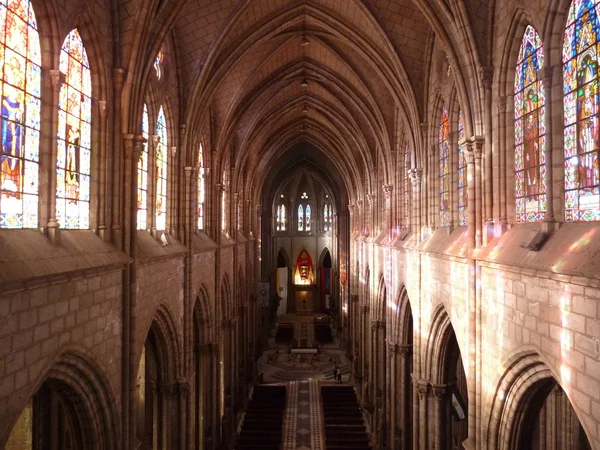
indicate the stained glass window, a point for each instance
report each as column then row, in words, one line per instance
column 580, row 77
column 462, row 173
column 142, row 193
column 278, row 223
column 74, row 136
column 201, row 187
column 530, row 130
column 20, row 60
column 300, row 218
column 161, row 172
column 444, row 169
column 327, row 215
column 283, row 218
column 307, row 226
column 158, row 62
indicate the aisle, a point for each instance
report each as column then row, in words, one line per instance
column 303, row 425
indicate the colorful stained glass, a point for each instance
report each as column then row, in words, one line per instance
column 73, row 164
column 580, row 75
column 201, row 188
column 158, row 63
column 444, row 169
column 462, row 173
column 300, row 218
column 278, row 223
column 161, row 172
column 142, row 192
column 530, row 118
column 283, row 217
column 307, row 222
column 20, row 88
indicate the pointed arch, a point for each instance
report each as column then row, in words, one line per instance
column 401, row 318
column 284, row 257
column 86, row 391
column 525, row 376
column 167, row 343
column 203, row 319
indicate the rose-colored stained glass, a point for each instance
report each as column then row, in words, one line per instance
column 73, row 165
column 161, row 172
column 581, row 142
column 444, row 149
column 530, row 115
column 20, row 89
column 142, row 193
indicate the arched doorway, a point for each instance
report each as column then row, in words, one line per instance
column 72, row 410
column 531, row 411
column 447, row 395
column 282, row 281
column 325, row 285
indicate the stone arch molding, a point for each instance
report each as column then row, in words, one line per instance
column 86, row 386
column 521, row 373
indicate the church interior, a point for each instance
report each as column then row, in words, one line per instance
column 299, row 224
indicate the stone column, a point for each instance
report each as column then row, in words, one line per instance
column 432, row 183
column 421, row 425
column 470, row 157
column 152, row 182
column 216, row 395
column 183, row 390
column 404, row 353
column 172, row 191
column 52, row 227
column 547, row 82
column 388, row 225
column 392, row 392
column 478, row 151
column 487, row 195
column 103, row 188
column 503, row 147
column 115, row 174
column 370, row 219
column 439, row 394
column 453, row 167
column 415, row 179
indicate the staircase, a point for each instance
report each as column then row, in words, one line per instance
column 263, row 421
column 344, row 426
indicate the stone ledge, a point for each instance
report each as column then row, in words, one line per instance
column 28, row 258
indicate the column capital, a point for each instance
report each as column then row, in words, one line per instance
column 359, row 203
column 486, row 73
column 155, row 139
column 547, row 73
column 388, row 189
column 422, row 388
column 102, row 107
column 501, row 104
column 183, row 387
column 57, row 77
column 173, row 151
column 439, row 391
column 182, row 129
column 119, row 77
column 404, row 349
column 371, row 198
column 415, row 176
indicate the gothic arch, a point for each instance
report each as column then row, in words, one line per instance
column 167, row 343
column 402, row 318
column 87, row 390
column 285, row 257
column 203, row 319
column 226, row 298
column 379, row 305
column 525, row 376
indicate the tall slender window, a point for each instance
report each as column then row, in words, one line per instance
column 444, row 169
column 161, row 172
column 462, row 173
column 278, row 223
column 406, row 187
column 283, row 217
column 74, row 136
column 142, row 193
column 530, row 130
column 20, row 89
column 201, row 187
column 158, row 63
column 580, row 76
column 327, row 217
column 223, row 205
column 300, row 218
column 307, row 225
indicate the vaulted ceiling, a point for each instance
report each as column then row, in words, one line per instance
column 346, row 77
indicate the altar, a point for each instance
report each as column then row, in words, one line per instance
column 304, row 288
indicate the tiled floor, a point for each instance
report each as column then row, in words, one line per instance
column 303, row 425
